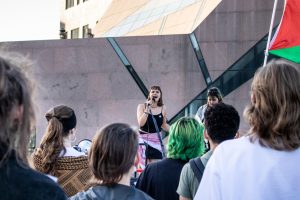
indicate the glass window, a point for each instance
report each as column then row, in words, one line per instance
column 75, row 33
column 85, row 31
column 63, row 34
column 69, row 3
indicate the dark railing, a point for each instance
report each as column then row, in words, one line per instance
column 236, row 75
column 128, row 66
column 200, row 59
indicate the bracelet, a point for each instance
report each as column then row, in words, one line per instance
column 146, row 113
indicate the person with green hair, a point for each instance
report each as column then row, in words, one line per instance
column 186, row 141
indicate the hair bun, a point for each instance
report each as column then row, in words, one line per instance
column 215, row 92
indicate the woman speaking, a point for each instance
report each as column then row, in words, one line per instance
column 152, row 118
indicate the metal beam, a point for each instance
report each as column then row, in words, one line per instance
column 200, row 59
column 128, row 66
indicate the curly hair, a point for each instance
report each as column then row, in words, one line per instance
column 222, row 122
column 274, row 113
column 186, row 140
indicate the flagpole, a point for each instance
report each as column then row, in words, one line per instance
column 270, row 32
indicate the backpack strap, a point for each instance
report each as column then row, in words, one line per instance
column 197, row 167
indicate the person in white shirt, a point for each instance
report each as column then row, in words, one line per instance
column 214, row 96
column 264, row 164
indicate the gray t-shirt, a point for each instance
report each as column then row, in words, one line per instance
column 118, row 191
column 188, row 183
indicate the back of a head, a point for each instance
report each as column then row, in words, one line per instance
column 16, row 108
column 61, row 119
column 186, row 139
column 113, row 152
column 274, row 113
column 62, row 116
column 222, row 122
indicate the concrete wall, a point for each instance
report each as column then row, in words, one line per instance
column 228, row 33
column 233, row 28
column 87, row 74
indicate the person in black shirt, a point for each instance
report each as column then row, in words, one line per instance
column 186, row 141
column 148, row 134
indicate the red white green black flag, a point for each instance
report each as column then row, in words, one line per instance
column 286, row 41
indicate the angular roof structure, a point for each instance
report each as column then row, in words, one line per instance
column 153, row 17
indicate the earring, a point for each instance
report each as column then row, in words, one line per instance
column 207, row 145
column 72, row 137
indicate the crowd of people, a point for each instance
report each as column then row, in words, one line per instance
column 260, row 165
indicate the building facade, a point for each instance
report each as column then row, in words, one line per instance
column 78, row 17
column 92, row 76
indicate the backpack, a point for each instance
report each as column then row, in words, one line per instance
column 197, row 167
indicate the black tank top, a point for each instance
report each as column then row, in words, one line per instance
column 149, row 125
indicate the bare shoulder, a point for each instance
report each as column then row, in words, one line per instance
column 164, row 110
column 141, row 106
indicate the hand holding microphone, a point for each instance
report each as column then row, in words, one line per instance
column 151, row 101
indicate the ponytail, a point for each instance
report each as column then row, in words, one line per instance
column 61, row 119
column 51, row 144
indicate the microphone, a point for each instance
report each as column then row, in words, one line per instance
column 153, row 99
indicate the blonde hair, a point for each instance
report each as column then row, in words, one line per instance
column 274, row 114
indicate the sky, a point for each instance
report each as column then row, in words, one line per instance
column 22, row 20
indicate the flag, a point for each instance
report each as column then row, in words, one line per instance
column 286, row 41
